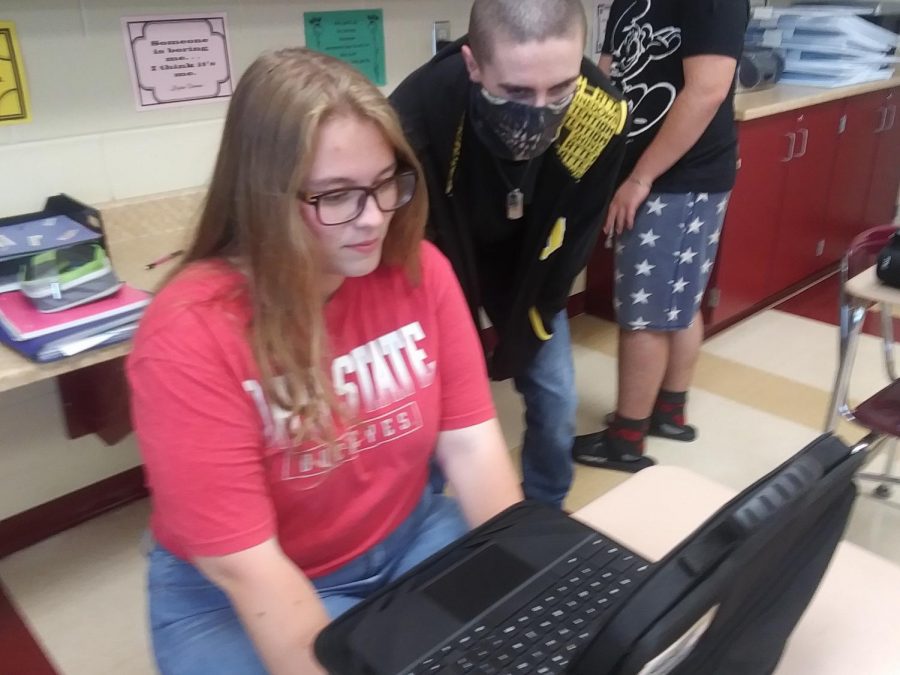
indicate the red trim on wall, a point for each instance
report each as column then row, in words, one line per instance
column 21, row 653
column 29, row 527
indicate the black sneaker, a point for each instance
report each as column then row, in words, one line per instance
column 666, row 429
column 599, row 451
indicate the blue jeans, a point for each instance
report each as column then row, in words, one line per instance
column 195, row 630
column 548, row 387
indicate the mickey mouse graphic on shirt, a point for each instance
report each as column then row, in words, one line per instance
column 636, row 44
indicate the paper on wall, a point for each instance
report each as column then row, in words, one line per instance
column 600, row 19
column 177, row 60
column 14, row 103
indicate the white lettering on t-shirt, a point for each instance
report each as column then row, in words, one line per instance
column 422, row 367
column 377, row 376
column 341, row 367
column 305, row 462
column 382, row 372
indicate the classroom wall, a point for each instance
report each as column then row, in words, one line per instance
column 87, row 139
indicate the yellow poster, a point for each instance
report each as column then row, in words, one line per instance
column 14, row 104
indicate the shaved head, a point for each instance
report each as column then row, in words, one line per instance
column 521, row 21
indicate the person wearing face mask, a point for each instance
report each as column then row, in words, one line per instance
column 521, row 139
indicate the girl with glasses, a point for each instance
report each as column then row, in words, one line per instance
column 296, row 375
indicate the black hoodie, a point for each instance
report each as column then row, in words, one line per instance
column 521, row 272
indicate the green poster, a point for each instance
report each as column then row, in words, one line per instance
column 355, row 36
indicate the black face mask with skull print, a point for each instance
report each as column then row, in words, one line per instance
column 516, row 131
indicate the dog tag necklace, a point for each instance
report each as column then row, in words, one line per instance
column 515, row 198
column 515, row 204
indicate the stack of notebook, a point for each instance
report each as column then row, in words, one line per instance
column 825, row 46
column 45, row 337
column 58, row 293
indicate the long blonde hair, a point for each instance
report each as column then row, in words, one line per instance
column 251, row 214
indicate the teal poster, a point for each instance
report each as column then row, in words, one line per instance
column 354, row 36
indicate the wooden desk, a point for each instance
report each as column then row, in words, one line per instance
column 849, row 627
column 91, row 384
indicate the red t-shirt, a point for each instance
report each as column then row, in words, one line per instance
column 222, row 473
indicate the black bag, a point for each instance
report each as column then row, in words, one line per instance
column 730, row 604
column 888, row 265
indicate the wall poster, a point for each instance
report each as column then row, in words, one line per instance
column 14, row 104
column 354, row 36
column 178, row 59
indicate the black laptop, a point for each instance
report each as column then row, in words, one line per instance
column 535, row 591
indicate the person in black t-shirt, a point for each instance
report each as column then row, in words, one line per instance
column 521, row 140
column 675, row 61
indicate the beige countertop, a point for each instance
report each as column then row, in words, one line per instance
column 137, row 232
column 785, row 97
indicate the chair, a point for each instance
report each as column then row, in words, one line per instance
column 860, row 291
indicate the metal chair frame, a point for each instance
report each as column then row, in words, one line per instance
column 852, row 315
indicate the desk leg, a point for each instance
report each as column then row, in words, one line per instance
column 852, row 317
column 887, row 334
column 95, row 401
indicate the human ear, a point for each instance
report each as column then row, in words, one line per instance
column 471, row 64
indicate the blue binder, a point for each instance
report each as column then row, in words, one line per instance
column 59, row 345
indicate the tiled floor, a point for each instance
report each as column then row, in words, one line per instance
column 761, row 394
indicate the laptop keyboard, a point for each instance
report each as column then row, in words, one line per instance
column 543, row 627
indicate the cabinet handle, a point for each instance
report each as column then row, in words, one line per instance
column 792, row 144
column 883, row 124
column 803, row 144
column 893, row 110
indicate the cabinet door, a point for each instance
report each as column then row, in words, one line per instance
column 853, row 169
column 751, row 225
column 882, row 201
column 801, row 231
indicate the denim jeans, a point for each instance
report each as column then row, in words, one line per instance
column 195, row 629
column 548, row 388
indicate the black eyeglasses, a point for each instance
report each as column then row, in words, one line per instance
column 336, row 207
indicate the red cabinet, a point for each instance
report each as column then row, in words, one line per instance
column 774, row 232
column 748, row 236
column 800, row 242
column 854, row 165
column 882, row 200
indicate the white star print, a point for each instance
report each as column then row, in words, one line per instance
column 639, row 323
column 680, row 285
column 619, row 276
column 721, row 206
column 703, row 197
column 707, row 266
column 688, row 256
column 641, row 297
column 619, row 248
column 680, row 226
column 694, row 227
column 648, row 239
column 656, row 206
column 643, row 269
column 698, row 298
column 715, row 236
column 617, row 304
column 673, row 314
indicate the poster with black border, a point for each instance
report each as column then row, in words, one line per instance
column 178, row 60
column 354, row 36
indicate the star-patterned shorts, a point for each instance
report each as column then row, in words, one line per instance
column 664, row 263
